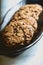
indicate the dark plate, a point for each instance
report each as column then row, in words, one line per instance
column 11, row 51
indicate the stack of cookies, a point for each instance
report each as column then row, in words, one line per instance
column 22, row 26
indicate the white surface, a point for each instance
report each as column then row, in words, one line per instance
column 32, row 56
column 7, row 4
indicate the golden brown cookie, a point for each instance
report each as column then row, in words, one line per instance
column 25, row 11
column 19, row 32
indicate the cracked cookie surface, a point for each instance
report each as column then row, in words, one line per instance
column 25, row 11
column 20, row 31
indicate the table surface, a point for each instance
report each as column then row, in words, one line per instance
column 32, row 56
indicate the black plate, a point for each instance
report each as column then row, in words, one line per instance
column 11, row 52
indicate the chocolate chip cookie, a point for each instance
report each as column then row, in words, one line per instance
column 19, row 32
column 25, row 11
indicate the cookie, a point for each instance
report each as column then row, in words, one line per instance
column 13, row 34
column 25, row 11
column 19, row 32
